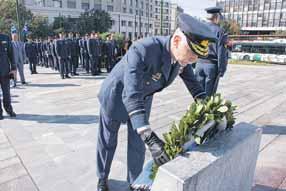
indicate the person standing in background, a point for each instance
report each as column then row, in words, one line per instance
column 7, row 68
column 31, row 49
column 62, row 51
column 19, row 57
column 209, row 70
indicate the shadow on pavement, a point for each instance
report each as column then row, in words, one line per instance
column 274, row 129
column 62, row 119
column 259, row 187
column 117, row 185
column 52, row 85
column 49, row 73
column 90, row 77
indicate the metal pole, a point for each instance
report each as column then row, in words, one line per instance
column 140, row 23
column 119, row 19
column 119, row 22
column 18, row 19
column 161, row 17
column 148, row 18
column 135, row 35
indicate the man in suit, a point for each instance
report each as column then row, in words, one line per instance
column 94, row 51
column 31, row 49
column 110, row 50
column 62, row 51
column 40, row 52
column 149, row 66
column 50, row 50
column 19, row 57
column 7, row 68
column 74, row 53
column 84, row 53
column 54, row 54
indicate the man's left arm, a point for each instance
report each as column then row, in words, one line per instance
column 11, row 56
column 191, row 83
column 222, row 54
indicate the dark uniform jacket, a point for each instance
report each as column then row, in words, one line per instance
column 217, row 51
column 6, row 56
column 144, row 70
column 110, row 48
column 50, row 48
column 31, row 49
column 62, row 49
column 94, row 47
column 83, row 46
column 73, row 47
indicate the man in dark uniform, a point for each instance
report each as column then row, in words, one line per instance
column 74, row 53
column 110, row 50
column 210, row 69
column 78, row 38
column 93, row 47
column 54, row 53
column 40, row 52
column 45, row 53
column 31, row 49
column 100, row 52
column 7, row 68
column 84, row 53
column 50, row 49
column 149, row 66
column 62, row 51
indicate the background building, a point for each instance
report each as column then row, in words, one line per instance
column 256, row 16
column 132, row 18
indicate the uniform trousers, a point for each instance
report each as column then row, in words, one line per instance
column 207, row 75
column 107, row 143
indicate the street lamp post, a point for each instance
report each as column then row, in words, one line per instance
column 161, row 28
column 18, row 18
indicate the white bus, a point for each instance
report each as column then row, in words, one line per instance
column 266, row 51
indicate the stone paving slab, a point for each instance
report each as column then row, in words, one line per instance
column 51, row 144
column 23, row 183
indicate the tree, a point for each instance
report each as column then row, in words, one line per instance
column 40, row 27
column 231, row 27
column 94, row 20
column 8, row 15
column 280, row 33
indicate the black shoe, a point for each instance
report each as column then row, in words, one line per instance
column 67, row 76
column 75, row 74
column 11, row 113
column 24, row 83
column 102, row 185
column 1, row 117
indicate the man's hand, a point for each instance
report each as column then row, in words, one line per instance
column 156, row 147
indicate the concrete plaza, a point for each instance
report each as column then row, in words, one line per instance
column 51, row 145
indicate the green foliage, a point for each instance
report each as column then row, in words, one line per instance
column 248, row 62
column 94, row 20
column 199, row 124
column 40, row 27
column 280, row 32
column 8, row 16
column 231, row 27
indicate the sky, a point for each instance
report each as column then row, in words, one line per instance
column 195, row 7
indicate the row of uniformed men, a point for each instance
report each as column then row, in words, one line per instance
column 65, row 54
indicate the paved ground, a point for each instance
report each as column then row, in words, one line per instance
column 51, row 145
